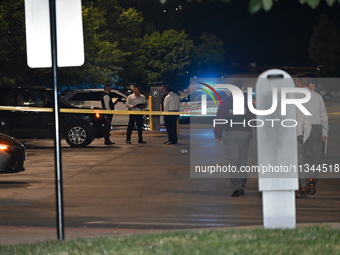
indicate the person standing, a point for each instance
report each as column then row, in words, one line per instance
column 236, row 139
column 107, row 104
column 319, row 131
column 135, row 102
column 164, row 94
column 161, row 105
column 303, row 129
column 171, row 104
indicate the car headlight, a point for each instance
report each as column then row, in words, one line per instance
column 3, row 147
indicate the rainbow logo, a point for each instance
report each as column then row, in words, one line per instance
column 210, row 94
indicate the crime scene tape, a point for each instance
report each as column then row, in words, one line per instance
column 101, row 111
column 75, row 110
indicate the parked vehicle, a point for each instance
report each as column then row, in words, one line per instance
column 79, row 129
column 327, row 96
column 92, row 98
column 192, row 103
column 12, row 155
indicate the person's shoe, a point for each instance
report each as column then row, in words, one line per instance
column 166, row 142
column 311, row 186
column 109, row 143
column 301, row 193
column 141, row 141
column 128, row 142
column 297, row 194
column 237, row 193
column 170, row 143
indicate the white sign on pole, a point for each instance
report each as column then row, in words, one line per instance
column 70, row 42
column 38, row 35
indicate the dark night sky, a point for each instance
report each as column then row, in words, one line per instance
column 280, row 36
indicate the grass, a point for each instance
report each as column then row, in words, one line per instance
column 311, row 241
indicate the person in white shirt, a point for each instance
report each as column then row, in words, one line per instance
column 303, row 130
column 171, row 104
column 135, row 102
column 319, row 131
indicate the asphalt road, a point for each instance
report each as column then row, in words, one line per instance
column 146, row 186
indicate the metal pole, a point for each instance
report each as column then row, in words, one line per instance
column 150, row 116
column 58, row 167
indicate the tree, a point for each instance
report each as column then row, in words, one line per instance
column 324, row 47
column 130, row 38
column 256, row 5
column 166, row 57
column 110, row 44
column 210, row 53
column 111, row 36
column 12, row 43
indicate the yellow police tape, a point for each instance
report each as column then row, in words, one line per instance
column 75, row 110
column 101, row 111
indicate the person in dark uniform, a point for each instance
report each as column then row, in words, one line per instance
column 236, row 139
column 107, row 104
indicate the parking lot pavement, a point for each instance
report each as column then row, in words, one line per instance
column 122, row 189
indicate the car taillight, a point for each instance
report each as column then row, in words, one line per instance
column 3, row 147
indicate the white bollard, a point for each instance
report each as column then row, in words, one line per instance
column 277, row 150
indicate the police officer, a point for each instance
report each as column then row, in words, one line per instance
column 107, row 104
column 236, row 139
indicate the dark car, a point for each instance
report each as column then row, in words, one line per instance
column 12, row 155
column 79, row 129
column 327, row 96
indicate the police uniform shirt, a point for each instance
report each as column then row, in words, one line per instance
column 223, row 112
